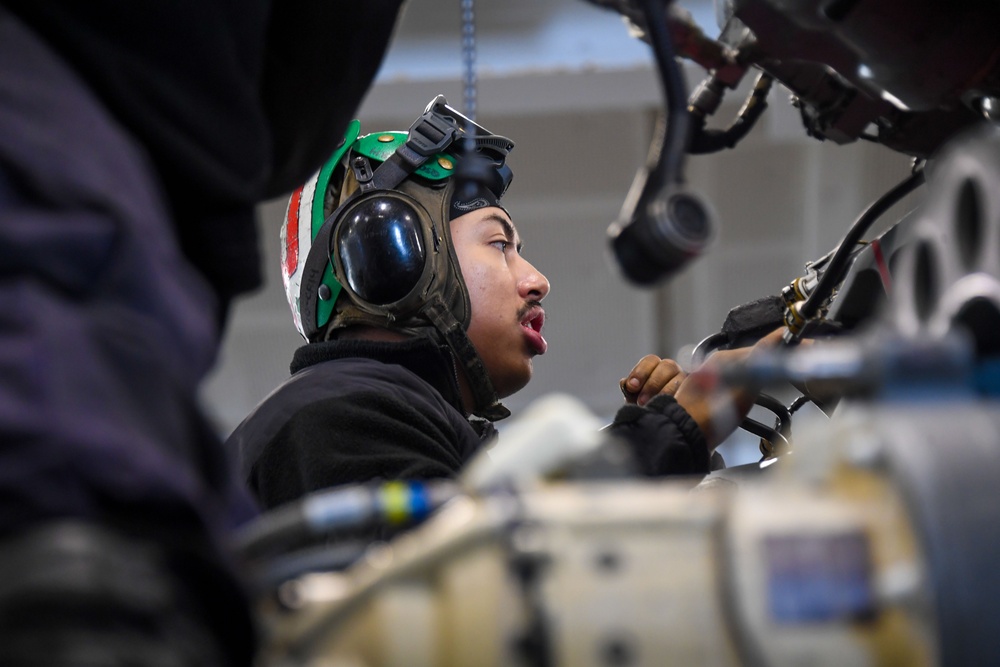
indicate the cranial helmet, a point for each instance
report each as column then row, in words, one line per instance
column 367, row 239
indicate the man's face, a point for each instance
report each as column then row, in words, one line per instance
column 506, row 293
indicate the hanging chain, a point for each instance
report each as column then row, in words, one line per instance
column 469, row 57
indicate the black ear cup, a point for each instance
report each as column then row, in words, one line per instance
column 381, row 245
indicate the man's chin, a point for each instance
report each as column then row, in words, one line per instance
column 514, row 382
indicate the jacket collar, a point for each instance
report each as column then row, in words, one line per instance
column 431, row 362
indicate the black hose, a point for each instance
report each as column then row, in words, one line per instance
column 272, row 572
column 666, row 159
column 783, row 415
column 272, row 531
column 798, row 403
column 839, row 263
column 763, row 431
column 346, row 507
column 704, row 141
column 707, row 346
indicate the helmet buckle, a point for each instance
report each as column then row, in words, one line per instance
column 430, row 134
column 363, row 172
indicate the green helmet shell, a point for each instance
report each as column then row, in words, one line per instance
column 308, row 208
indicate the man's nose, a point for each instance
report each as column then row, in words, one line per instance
column 532, row 285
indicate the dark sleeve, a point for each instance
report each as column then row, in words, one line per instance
column 353, row 439
column 663, row 438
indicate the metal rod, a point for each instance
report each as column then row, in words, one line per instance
column 469, row 57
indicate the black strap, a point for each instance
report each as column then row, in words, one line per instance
column 312, row 274
column 430, row 134
column 488, row 405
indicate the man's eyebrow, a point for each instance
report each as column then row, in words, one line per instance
column 508, row 228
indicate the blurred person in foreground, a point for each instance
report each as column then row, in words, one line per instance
column 136, row 139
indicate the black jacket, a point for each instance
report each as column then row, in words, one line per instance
column 358, row 411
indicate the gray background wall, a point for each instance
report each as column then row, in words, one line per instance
column 564, row 80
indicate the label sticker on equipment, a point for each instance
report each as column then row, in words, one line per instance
column 816, row 578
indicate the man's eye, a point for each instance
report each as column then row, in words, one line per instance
column 501, row 245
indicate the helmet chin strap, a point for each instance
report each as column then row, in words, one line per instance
column 487, row 404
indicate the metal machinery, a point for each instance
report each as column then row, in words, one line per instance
column 871, row 538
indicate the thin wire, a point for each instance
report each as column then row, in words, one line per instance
column 469, row 57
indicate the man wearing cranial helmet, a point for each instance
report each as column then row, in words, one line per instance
column 404, row 275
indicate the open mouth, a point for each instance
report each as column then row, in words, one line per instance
column 532, row 323
column 534, row 320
